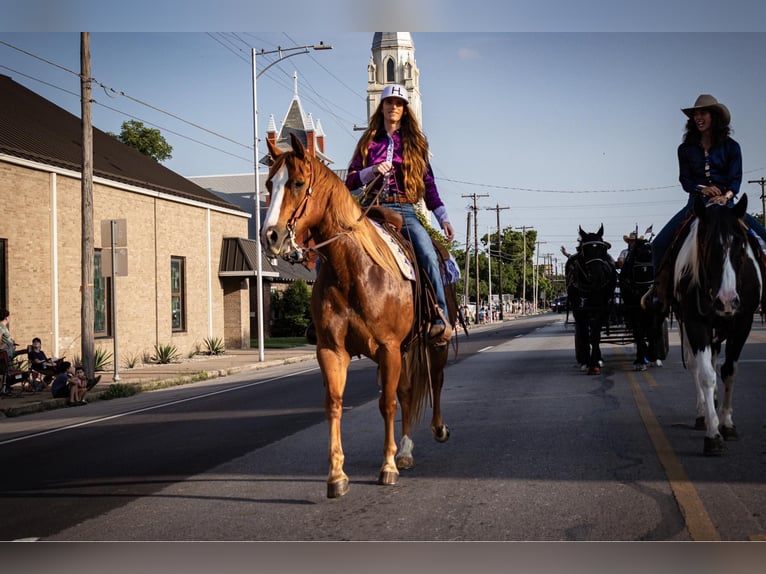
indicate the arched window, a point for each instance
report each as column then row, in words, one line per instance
column 390, row 71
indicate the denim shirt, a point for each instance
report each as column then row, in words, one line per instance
column 376, row 153
column 725, row 167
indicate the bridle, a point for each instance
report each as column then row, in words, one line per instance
column 297, row 256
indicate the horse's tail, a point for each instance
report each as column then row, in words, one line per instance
column 416, row 374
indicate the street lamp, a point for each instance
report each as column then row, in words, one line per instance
column 283, row 54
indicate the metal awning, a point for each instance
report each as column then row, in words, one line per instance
column 239, row 257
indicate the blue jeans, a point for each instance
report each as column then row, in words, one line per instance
column 664, row 238
column 425, row 252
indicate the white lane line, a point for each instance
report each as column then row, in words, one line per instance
column 151, row 408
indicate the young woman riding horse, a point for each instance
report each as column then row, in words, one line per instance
column 361, row 304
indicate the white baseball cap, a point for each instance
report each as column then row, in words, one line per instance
column 395, row 91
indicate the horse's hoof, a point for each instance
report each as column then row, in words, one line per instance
column 728, row 433
column 388, row 477
column 405, row 462
column 583, row 368
column 639, row 366
column 658, row 363
column 440, row 434
column 594, row 370
column 337, row 489
column 714, row 446
column 699, row 423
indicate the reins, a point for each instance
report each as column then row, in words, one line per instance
column 301, row 209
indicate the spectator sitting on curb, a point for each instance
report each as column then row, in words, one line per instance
column 70, row 384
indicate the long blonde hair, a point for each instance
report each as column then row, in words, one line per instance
column 414, row 149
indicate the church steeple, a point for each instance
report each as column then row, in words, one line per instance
column 393, row 62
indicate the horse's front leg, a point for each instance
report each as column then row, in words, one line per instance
column 594, row 338
column 390, row 366
column 703, row 372
column 334, row 365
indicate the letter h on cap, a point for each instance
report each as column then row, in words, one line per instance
column 396, row 91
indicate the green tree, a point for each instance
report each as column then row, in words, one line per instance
column 293, row 310
column 148, row 141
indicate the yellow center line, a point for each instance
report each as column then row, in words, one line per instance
column 697, row 520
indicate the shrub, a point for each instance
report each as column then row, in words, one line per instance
column 118, row 390
column 214, row 346
column 102, row 360
column 165, row 354
column 131, row 360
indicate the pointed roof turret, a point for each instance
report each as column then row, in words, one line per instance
column 298, row 122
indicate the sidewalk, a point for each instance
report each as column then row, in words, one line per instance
column 150, row 376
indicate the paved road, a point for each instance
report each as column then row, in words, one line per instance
column 539, row 451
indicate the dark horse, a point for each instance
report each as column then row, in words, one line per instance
column 591, row 279
column 646, row 325
column 361, row 304
column 717, row 286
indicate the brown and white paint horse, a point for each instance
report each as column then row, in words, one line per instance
column 718, row 284
column 361, row 304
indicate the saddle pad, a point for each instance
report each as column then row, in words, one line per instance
column 405, row 265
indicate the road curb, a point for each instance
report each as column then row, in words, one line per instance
column 47, row 404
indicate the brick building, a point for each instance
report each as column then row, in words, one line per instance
column 175, row 292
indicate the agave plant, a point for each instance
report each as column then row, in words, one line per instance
column 165, row 354
column 214, row 346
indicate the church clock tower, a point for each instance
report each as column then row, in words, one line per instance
column 393, row 62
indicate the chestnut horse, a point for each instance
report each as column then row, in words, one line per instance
column 361, row 304
column 718, row 284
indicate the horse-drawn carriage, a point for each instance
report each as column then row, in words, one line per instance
column 605, row 303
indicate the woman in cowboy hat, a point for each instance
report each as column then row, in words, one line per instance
column 392, row 157
column 709, row 165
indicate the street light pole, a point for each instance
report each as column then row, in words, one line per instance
column 259, row 265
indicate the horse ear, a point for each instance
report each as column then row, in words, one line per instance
column 601, row 230
column 300, row 151
column 740, row 208
column 274, row 151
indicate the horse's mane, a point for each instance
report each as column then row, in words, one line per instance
column 345, row 215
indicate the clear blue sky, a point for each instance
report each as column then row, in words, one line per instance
column 574, row 122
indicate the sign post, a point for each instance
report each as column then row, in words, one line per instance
column 114, row 232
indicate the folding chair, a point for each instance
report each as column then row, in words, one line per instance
column 10, row 376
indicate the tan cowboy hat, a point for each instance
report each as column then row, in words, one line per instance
column 708, row 101
column 632, row 237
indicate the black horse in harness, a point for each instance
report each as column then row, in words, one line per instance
column 591, row 279
column 646, row 325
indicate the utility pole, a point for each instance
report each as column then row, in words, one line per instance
column 476, row 245
column 524, row 270
column 87, row 311
column 762, row 181
column 497, row 209
column 537, row 272
column 467, row 259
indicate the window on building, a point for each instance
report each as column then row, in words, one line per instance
column 177, row 293
column 3, row 275
column 102, row 299
column 390, row 71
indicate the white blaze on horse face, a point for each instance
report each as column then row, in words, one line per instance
column 278, row 182
column 727, row 293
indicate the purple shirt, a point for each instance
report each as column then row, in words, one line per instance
column 377, row 154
